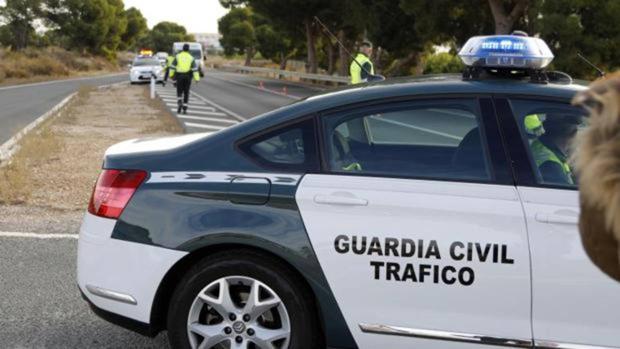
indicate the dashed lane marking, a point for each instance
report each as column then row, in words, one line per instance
column 10, row 234
column 191, row 117
column 193, row 124
column 202, row 114
column 194, row 107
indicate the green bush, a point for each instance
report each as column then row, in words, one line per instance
column 443, row 62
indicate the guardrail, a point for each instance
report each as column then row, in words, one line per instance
column 277, row 73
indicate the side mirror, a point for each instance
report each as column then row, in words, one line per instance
column 129, row 65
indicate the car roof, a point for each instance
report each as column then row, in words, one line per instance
column 440, row 85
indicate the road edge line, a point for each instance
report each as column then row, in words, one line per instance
column 12, row 234
column 8, row 148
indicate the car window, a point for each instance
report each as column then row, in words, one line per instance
column 440, row 139
column 145, row 62
column 291, row 147
column 547, row 129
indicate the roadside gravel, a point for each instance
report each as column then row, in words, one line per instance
column 46, row 186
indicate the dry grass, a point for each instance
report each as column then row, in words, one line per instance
column 52, row 62
column 59, row 161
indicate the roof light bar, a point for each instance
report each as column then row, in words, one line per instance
column 506, row 51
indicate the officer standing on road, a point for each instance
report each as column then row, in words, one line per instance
column 169, row 61
column 181, row 70
column 361, row 68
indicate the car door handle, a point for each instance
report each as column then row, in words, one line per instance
column 557, row 218
column 340, row 200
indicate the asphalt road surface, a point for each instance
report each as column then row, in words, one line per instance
column 40, row 305
column 22, row 104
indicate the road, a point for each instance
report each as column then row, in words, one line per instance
column 22, row 104
column 40, row 306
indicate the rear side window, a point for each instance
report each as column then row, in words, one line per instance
column 288, row 148
column 435, row 139
column 547, row 129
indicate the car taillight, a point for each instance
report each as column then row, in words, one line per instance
column 113, row 191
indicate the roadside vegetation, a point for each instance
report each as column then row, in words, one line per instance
column 35, row 64
column 416, row 36
column 44, row 39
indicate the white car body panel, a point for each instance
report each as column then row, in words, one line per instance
column 144, row 145
column 123, row 267
column 573, row 301
column 497, row 304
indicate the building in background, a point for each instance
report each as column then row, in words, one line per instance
column 210, row 41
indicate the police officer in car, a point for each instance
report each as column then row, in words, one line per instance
column 361, row 68
column 182, row 69
column 550, row 147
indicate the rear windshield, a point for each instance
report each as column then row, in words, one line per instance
column 145, row 62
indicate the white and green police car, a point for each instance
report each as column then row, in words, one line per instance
column 436, row 212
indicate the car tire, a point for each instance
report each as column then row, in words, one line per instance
column 298, row 302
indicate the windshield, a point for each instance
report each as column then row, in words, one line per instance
column 145, row 62
column 197, row 54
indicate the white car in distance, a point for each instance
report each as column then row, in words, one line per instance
column 142, row 68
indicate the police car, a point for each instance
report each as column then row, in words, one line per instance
column 437, row 212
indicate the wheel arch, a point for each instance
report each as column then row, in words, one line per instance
column 159, row 308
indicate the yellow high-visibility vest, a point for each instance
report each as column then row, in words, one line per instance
column 356, row 71
column 184, row 63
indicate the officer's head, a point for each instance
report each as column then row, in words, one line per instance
column 366, row 48
column 561, row 128
column 185, row 47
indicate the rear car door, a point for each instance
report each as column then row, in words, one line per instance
column 574, row 303
column 418, row 227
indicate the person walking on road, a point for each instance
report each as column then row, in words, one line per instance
column 169, row 61
column 361, row 68
column 182, row 69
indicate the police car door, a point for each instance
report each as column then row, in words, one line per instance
column 418, row 227
column 574, row 303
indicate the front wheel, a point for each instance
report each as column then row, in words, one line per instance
column 248, row 301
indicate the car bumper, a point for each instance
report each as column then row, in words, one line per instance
column 120, row 277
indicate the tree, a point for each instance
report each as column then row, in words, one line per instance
column 274, row 45
column 164, row 34
column 136, row 28
column 507, row 13
column 18, row 16
column 95, row 25
column 581, row 26
column 238, row 34
column 290, row 17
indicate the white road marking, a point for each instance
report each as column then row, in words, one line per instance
column 229, row 112
column 206, row 119
column 210, row 113
column 59, row 81
column 423, row 129
column 10, row 234
column 191, row 124
column 193, row 106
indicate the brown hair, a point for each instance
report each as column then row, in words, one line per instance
column 597, row 162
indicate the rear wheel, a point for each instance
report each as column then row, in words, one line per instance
column 248, row 301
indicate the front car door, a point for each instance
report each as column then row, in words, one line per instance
column 574, row 303
column 418, row 226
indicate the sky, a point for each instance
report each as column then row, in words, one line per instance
column 197, row 16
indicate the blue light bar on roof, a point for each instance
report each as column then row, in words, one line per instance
column 506, row 51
